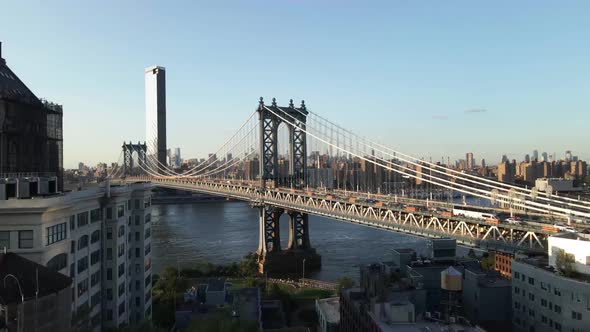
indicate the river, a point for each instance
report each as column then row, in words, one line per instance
column 225, row 231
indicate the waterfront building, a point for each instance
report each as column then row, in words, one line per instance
column 155, row 115
column 99, row 237
column 553, row 294
column 31, row 139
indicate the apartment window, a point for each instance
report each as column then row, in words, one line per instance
column 543, row 319
column 72, row 270
column 95, row 299
column 136, row 236
column 137, row 299
column 137, row 253
column 531, row 313
column 557, row 308
column 148, row 218
column 121, row 250
column 531, row 281
column 120, row 211
column 516, row 275
column 109, row 253
column 531, row 296
column 148, row 280
column 95, row 215
column 25, row 239
column 121, row 231
column 129, row 221
column 109, row 292
column 58, row 262
column 56, row 233
column 122, row 308
column 122, row 289
column 95, row 257
column 109, row 315
column 557, row 291
column 576, row 315
column 543, row 302
column 109, row 233
column 83, row 242
column 136, row 220
column 522, row 277
column 137, row 284
column 129, row 253
column 543, row 286
column 95, row 278
column 95, row 236
column 4, row 240
column 516, row 290
column 516, row 305
column 109, row 213
column 128, row 205
column 137, row 203
column 109, row 274
column 82, row 264
column 557, row 326
column 129, row 238
column 148, row 233
column 82, row 287
column 121, row 269
column 82, row 219
column 148, row 249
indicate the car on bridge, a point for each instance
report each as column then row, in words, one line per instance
column 564, row 228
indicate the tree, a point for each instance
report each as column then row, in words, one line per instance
column 565, row 263
column 488, row 261
column 344, row 282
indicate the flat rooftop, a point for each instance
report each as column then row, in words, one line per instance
column 330, row 308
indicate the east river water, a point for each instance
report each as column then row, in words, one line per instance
column 222, row 232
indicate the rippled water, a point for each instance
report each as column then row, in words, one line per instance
column 224, row 232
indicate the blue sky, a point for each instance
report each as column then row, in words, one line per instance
column 405, row 73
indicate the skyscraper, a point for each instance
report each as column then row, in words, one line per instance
column 155, row 113
column 469, row 158
column 535, row 155
column 544, row 156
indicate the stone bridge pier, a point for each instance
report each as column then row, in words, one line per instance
column 274, row 260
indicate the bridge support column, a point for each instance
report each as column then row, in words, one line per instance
column 298, row 230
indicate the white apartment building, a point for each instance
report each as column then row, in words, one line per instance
column 100, row 237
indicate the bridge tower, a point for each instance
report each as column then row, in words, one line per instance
column 128, row 160
column 271, row 258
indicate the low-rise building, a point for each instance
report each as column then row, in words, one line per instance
column 483, row 290
column 328, row 311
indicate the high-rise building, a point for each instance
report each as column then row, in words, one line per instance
column 527, row 158
column 568, row 155
column 470, row 162
column 506, row 172
column 155, row 113
column 31, row 140
column 544, row 156
column 535, row 155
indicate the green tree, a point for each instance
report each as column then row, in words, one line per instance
column 488, row 261
column 344, row 282
column 565, row 263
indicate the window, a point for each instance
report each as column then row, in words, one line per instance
column 148, row 297
column 109, row 274
column 137, row 203
column 556, row 291
column 95, row 215
column 82, row 264
column 120, row 211
column 137, row 284
column 543, row 302
column 543, row 319
column 72, row 270
column 516, row 275
column 109, row 213
column 523, row 277
column 137, row 252
column 83, row 242
column 129, row 221
column 148, row 218
column 122, row 308
column 122, row 289
column 109, row 253
column 516, row 290
column 557, row 326
column 531, row 296
column 136, row 236
column 25, row 239
column 56, row 233
column 148, row 249
column 95, row 278
column 543, row 286
column 109, row 233
column 4, row 240
column 148, row 233
column 95, row 299
column 121, row 231
column 121, row 269
column 576, row 315
column 136, row 220
column 58, row 262
column 82, row 219
column 516, row 305
column 72, row 222
column 109, row 315
column 531, row 313
column 531, row 281
column 137, row 301
column 147, row 202
column 148, row 280
column 109, row 292
column 82, row 287
column 95, row 257
column 95, row 236
column 128, row 205
column 129, row 238
column 121, row 250
column 557, row 308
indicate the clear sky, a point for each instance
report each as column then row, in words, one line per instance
column 406, row 73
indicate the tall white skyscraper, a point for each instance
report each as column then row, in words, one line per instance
column 155, row 116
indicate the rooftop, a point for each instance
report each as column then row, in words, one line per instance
column 213, row 284
column 330, row 308
column 49, row 282
column 12, row 88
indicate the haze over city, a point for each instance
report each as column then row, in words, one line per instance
column 431, row 80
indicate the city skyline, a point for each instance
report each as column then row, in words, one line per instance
column 529, row 91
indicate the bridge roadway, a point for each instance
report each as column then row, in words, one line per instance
column 467, row 231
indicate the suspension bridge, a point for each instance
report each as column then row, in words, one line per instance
column 287, row 159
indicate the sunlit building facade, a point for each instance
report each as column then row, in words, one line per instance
column 155, row 113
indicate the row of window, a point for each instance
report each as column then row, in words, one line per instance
column 56, row 233
column 25, row 239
